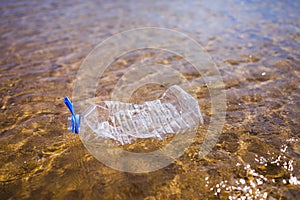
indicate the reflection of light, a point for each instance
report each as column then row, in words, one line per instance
column 293, row 180
column 252, row 187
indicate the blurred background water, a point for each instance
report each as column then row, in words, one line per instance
column 256, row 47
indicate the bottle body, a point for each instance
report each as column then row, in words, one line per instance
column 118, row 123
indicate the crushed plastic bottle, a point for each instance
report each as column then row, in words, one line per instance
column 174, row 113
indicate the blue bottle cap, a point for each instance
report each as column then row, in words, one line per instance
column 74, row 120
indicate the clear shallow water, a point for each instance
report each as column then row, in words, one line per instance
column 256, row 46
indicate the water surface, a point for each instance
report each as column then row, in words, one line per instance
column 256, row 47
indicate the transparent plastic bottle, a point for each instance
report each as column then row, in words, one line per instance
column 118, row 123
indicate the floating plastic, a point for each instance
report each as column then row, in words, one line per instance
column 174, row 113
